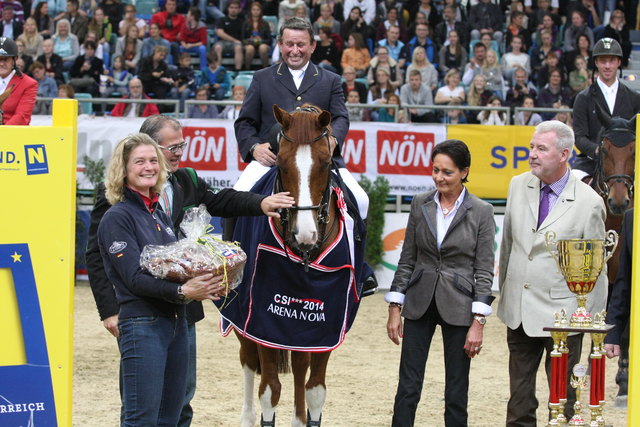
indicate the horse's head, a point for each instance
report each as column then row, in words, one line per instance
column 616, row 162
column 304, row 162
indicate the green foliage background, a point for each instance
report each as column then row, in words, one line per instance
column 378, row 192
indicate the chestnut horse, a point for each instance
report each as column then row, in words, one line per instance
column 304, row 236
column 614, row 179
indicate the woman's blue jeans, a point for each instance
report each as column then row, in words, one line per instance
column 154, row 357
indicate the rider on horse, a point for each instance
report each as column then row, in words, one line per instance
column 614, row 98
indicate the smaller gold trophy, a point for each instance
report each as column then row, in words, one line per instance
column 580, row 261
column 579, row 381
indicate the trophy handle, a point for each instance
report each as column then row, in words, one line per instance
column 552, row 246
column 610, row 244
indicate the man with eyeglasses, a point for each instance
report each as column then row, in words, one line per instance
column 134, row 109
column 184, row 189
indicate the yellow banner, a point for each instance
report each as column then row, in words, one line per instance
column 498, row 153
column 37, row 235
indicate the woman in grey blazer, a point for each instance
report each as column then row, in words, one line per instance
column 444, row 278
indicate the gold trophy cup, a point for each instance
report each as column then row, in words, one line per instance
column 581, row 261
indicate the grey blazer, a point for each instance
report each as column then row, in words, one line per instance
column 457, row 274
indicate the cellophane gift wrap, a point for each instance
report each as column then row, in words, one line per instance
column 198, row 253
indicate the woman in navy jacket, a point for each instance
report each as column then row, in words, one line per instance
column 152, row 324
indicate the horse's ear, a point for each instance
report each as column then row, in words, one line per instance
column 603, row 117
column 281, row 116
column 324, row 119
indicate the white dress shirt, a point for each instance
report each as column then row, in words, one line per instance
column 609, row 93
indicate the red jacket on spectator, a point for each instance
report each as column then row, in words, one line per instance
column 178, row 22
column 19, row 106
column 194, row 35
column 149, row 109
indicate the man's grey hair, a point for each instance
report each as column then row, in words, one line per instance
column 564, row 134
column 154, row 124
column 296, row 23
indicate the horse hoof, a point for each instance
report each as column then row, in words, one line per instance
column 313, row 423
column 271, row 423
column 621, row 402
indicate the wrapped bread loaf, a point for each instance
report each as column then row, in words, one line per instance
column 197, row 254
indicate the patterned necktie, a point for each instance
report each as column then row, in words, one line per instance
column 543, row 209
column 166, row 196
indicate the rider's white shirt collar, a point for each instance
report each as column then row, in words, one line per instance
column 298, row 75
column 4, row 83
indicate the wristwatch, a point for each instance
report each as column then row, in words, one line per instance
column 481, row 319
column 181, row 296
column 253, row 148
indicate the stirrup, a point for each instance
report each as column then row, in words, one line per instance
column 369, row 286
column 271, row 423
column 313, row 423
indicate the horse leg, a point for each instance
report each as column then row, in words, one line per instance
column 249, row 362
column 270, row 387
column 300, row 365
column 316, row 389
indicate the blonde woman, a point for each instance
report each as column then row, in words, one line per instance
column 151, row 318
column 452, row 90
column 493, row 72
column 478, row 95
column 31, row 38
column 420, row 62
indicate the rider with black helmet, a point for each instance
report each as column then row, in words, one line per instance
column 613, row 98
column 16, row 109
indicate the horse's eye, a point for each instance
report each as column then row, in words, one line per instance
column 604, row 151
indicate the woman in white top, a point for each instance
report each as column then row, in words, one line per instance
column 493, row 117
column 420, row 62
column 516, row 58
column 452, row 91
column 232, row 111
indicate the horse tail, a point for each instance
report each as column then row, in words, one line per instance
column 284, row 366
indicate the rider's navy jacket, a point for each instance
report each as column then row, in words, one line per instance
column 124, row 231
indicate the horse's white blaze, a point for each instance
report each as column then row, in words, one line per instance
column 315, row 397
column 268, row 411
column 248, row 414
column 307, row 232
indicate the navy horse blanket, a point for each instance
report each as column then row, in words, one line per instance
column 279, row 304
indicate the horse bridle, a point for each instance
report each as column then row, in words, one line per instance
column 601, row 182
column 322, row 208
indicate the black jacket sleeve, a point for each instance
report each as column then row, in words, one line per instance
column 101, row 287
column 581, row 116
column 619, row 309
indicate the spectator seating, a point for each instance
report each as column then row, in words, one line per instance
column 243, row 79
column 86, row 107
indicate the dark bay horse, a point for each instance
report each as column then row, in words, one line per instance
column 614, row 180
column 299, row 293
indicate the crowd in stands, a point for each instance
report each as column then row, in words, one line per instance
column 414, row 52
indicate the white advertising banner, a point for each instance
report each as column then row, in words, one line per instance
column 395, row 225
column 400, row 152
